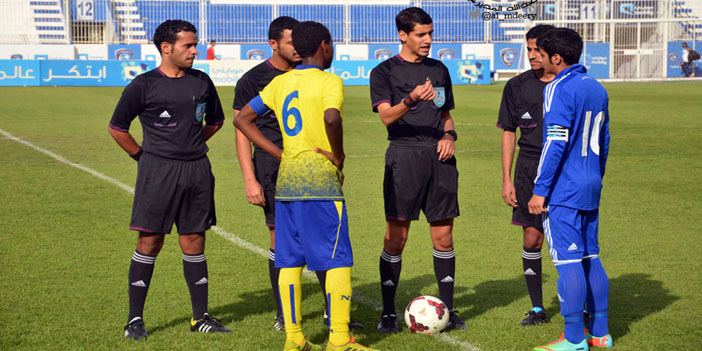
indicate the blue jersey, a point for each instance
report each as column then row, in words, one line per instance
column 576, row 140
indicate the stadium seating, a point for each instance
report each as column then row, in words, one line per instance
column 689, row 9
column 49, row 21
column 131, row 25
column 249, row 23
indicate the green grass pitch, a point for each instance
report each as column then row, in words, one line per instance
column 66, row 245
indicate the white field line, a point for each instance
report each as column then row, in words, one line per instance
column 219, row 230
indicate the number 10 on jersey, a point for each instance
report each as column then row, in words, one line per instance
column 593, row 137
column 291, row 112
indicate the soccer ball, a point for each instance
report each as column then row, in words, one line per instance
column 426, row 315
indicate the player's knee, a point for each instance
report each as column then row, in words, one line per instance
column 192, row 244
column 394, row 244
column 149, row 246
column 533, row 238
column 442, row 240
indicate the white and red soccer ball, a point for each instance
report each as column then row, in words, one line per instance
column 426, row 315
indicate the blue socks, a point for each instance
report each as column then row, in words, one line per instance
column 572, row 293
column 597, row 296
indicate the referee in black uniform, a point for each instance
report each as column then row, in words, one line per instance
column 413, row 96
column 174, row 180
column 522, row 107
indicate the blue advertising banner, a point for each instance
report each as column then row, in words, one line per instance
column 91, row 73
column 123, row 52
column 382, row 52
column 19, row 72
column 201, row 52
column 596, row 59
column 507, row 56
column 635, row 9
column 675, row 55
column 353, row 72
column 255, row 51
column 120, row 73
column 446, row 51
column 469, row 72
column 463, row 72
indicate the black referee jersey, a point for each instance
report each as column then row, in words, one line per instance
column 247, row 88
column 171, row 111
column 522, row 107
column 395, row 78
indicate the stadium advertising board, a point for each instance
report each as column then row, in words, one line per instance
column 469, row 71
column 507, row 56
column 225, row 72
column 673, row 69
column 255, row 51
column 463, row 72
column 37, row 52
column 446, row 51
column 70, row 72
column 19, row 72
column 353, row 72
column 382, row 52
column 123, row 52
column 635, row 9
column 596, row 59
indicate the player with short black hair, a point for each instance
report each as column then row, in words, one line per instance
column 261, row 172
column 311, row 219
column 410, row 17
column 568, row 186
column 565, row 42
column 167, row 32
column 521, row 108
column 413, row 95
column 174, row 179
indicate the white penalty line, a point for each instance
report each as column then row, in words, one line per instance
column 219, row 230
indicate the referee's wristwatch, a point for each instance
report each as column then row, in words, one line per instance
column 452, row 133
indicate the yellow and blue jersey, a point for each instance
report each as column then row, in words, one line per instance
column 299, row 99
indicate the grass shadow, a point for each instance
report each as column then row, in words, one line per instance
column 367, row 305
column 489, row 295
column 248, row 304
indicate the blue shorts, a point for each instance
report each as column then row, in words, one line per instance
column 571, row 234
column 312, row 233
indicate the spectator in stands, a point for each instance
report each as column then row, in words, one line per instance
column 687, row 60
column 210, row 52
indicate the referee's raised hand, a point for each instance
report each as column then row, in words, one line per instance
column 423, row 92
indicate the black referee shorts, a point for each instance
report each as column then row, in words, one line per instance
column 415, row 179
column 266, row 171
column 524, row 176
column 172, row 191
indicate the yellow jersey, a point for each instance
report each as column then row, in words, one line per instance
column 299, row 99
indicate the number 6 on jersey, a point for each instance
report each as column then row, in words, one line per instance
column 295, row 113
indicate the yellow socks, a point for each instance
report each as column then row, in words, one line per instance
column 290, row 298
column 338, row 288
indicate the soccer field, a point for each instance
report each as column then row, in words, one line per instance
column 66, row 205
